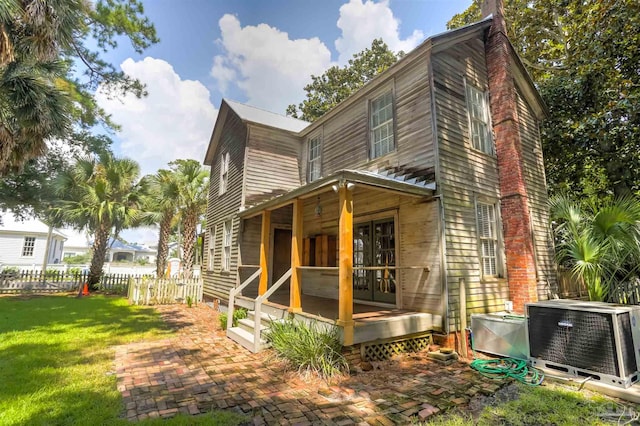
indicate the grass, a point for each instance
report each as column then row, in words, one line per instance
column 545, row 405
column 56, row 360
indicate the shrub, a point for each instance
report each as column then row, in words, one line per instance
column 308, row 347
column 77, row 259
column 238, row 314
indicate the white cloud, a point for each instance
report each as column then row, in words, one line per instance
column 362, row 22
column 174, row 121
column 269, row 67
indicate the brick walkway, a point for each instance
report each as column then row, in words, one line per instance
column 200, row 370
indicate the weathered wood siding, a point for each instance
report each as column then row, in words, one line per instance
column 538, row 201
column 345, row 136
column 272, row 163
column 465, row 175
column 217, row 282
column 417, row 244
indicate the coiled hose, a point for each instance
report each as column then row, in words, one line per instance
column 500, row 369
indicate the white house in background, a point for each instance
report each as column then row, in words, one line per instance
column 117, row 251
column 23, row 243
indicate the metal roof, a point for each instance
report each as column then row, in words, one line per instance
column 403, row 183
column 267, row 118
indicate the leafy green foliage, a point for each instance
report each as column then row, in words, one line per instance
column 600, row 243
column 102, row 195
column 238, row 314
column 311, row 347
column 336, row 84
column 78, row 259
column 584, row 58
column 41, row 95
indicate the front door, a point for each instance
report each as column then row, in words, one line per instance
column 281, row 255
column 374, row 246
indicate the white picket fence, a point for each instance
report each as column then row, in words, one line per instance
column 152, row 291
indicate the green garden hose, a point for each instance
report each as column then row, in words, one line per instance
column 504, row 368
column 499, row 369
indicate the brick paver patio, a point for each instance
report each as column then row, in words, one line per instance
column 201, row 370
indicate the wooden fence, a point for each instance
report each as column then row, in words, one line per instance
column 53, row 281
column 152, row 291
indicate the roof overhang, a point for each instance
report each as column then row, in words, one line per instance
column 344, row 177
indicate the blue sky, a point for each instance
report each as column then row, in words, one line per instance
column 257, row 52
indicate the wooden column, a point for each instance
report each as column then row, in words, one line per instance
column 345, row 265
column 264, row 252
column 295, row 289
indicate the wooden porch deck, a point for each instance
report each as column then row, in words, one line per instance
column 371, row 322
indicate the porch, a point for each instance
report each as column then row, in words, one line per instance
column 357, row 249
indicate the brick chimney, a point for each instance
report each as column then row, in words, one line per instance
column 516, row 220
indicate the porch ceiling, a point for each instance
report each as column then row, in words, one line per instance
column 403, row 183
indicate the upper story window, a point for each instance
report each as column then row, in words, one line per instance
column 224, row 172
column 488, row 239
column 314, row 162
column 226, row 245
column 381, row 118
column 28, row 246
column 478, row 109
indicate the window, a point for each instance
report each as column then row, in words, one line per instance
column 381, row 113
column 28, row 245
column 212, row 246
column 314, row 164
column 224, row 172
column 226, row 245
column 478, row 109
column 488, row 236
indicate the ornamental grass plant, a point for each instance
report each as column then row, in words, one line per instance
column 308, row 347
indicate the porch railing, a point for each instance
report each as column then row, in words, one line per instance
column 238, row 290
column 257, row 316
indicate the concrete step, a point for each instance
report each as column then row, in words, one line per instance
column 245, row 339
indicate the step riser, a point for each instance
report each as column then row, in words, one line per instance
column 237, row 336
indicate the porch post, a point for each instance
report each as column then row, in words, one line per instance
column 295, row 304
column 345, row 265
column 264, row 252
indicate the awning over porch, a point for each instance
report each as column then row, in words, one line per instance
column 408, row 182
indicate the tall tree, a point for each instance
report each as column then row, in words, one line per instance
column 103, row 196
column 44, row 47
column 336, row 84
column 193, row 185
column 163, row 201
column 585, row 60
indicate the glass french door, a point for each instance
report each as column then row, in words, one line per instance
column 374, row 245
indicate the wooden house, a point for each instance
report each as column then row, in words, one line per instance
column 422, row 190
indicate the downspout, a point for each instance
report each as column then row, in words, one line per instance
column 45, row 260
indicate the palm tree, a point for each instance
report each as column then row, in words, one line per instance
column 102, row 195
column 163, row 201
column 599, row 243
column 193, row 184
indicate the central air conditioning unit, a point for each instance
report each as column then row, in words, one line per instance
column 588, row 339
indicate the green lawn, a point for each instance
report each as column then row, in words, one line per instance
column 56, row 357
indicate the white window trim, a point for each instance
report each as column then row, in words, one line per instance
column 486, row 145
column 391, row 121
column 227, row 240
column 26, row 246
column 497, row 239
column 212, row 248
column 224, row 172
column 317, row 160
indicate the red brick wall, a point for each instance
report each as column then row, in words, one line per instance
column 516, row 222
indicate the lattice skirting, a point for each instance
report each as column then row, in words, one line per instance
column 383, row 350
